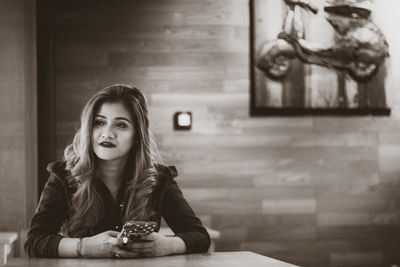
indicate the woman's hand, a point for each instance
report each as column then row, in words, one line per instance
column 104, row 245
column 156, row 245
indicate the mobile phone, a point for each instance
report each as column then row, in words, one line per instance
column 134, row 230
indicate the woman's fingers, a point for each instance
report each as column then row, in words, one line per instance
column 140, row 250
column 139, row 245
column 150, row 237
column 112, row 233
column 117, row 241
column 122, row 253
column 114, row 240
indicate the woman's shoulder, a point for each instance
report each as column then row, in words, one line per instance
column 166, row 172
column 57, row 168
column 165, row 179
column 58, row 172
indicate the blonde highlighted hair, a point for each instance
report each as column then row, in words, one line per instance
column 140, row 171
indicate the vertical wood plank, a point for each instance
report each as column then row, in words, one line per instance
column 342, row 96
column 362, row 95
column 268, row 16
column 294, row 85
column 323, row 85
column 323, row 82
column 376, row 89
column 352, row 95
column 18, row 177
column 46, row 102
column 274, row 91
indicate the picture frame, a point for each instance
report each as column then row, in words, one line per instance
column 307, row 89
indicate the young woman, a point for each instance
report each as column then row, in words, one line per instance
column 112, row 174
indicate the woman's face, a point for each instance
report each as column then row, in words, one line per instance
column 113, row 131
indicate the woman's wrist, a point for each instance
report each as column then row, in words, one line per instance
column 69, row 247
column 178, row 246
column 80, row 247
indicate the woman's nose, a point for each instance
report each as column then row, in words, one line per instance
column 108, row 132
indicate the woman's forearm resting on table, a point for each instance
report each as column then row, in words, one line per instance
column 103, row 245
column 158, row 245
column 179, row 246
column 69, row 247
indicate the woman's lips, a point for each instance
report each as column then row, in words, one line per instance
column 107, row 144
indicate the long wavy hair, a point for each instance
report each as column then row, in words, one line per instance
column 140, row 172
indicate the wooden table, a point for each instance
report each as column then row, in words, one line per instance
column 216, row 259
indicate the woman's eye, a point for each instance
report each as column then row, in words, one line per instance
column 98, row 122
column 122, row 125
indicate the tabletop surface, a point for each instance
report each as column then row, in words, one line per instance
column 216, row 259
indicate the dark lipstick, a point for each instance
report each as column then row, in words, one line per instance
column 107, row 144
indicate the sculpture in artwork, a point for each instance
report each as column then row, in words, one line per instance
column 359, row 47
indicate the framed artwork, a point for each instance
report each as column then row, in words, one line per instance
column 316, row 57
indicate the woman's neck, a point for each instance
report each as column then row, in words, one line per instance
column 110, row 172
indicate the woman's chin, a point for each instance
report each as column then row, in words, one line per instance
column 108, row 156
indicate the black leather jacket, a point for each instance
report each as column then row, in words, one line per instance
column 54, row 205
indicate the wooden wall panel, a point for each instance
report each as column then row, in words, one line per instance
column 18, row 154
column 308, row 190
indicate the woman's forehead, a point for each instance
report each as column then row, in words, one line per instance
column 113, row 110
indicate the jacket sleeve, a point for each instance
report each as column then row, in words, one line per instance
column 182, row 220
column 52, row 210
